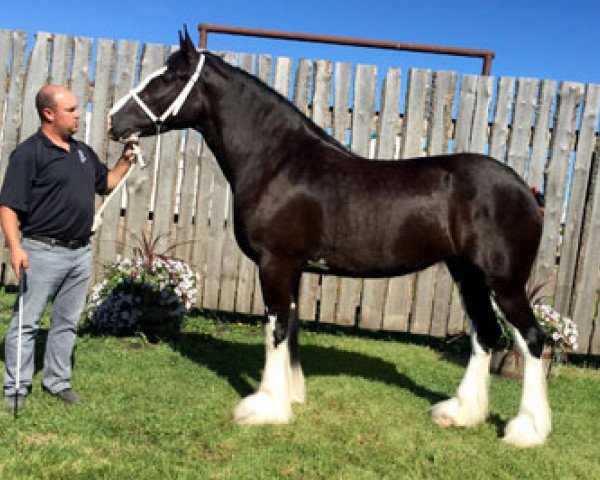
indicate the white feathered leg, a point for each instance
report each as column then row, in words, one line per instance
column 533, row 423
column 272, row 402
column 470, row 405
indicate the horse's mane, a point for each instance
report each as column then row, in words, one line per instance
column 279, row 99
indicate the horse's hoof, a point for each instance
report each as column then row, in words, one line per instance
column 297, row 388
column 444, row 413
column 261, row 408
column 523, row 432
column 456, row 413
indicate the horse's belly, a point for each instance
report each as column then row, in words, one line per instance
column 386, row 252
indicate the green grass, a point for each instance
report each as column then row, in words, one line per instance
column 162, row 411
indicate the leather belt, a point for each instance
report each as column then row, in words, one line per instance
column 70, row 244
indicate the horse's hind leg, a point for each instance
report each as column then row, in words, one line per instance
column 470, row 404
column 282, row 381
column 533, row 423
column 296, row 376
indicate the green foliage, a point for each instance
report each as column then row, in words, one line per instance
column 164, row 411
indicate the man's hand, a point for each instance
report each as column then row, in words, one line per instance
column 18, row 259
column 122, row 166
column 129, row 151
column 10, row 227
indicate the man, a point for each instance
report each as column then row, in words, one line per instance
column 46, row 212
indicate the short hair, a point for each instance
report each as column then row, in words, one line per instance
column 44, row 99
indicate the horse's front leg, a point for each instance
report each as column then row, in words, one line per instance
column 282, row 381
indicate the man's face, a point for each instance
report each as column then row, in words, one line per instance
column 64, row 117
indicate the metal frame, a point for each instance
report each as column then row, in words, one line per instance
column 486, row 55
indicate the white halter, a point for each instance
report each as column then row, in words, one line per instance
column 158, row 121
column 173, row 108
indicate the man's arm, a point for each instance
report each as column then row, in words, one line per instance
column 10, row 227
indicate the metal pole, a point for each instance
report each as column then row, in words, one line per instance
column 19, row 338
column 486, row 55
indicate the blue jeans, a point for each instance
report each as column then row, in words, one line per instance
column 61, row 276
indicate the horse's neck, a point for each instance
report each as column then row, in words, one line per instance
column 250, row 133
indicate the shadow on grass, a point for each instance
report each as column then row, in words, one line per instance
column 238, row 362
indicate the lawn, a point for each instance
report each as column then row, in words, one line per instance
column 162, row 411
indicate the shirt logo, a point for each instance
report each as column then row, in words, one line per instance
column 81, row 156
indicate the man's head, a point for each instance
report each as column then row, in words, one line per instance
column 57, row 108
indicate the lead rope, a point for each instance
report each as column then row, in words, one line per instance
column 137, row 152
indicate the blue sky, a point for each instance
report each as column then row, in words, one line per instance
column 552, row 39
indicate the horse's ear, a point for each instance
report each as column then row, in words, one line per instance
column 188, row 45
column 181, row 41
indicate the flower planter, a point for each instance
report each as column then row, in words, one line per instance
column 510, row 363
column 157, row 320
column 148, row 295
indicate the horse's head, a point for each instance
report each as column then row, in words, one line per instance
column 165, row 99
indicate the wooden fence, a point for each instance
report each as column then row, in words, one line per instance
column 547, row 132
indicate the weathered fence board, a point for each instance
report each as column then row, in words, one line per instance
column 12, row 45
column 101, row 96
column 373, row 290
column 6, row 44
column 440, row 132
column 415, row 117
column 541, row 135
column 329, row 284
column 61, row 46
column 579, row 184
column 231, row 252
column 479, row 129
column 308, row 282
column 309, row 285
column 79, row 80
column 533, row 129
column 184, row 238
column 563, row 134
column 385, row 149
column 364, row 101
column 201, row 220
column 37, row 74
column 500, row 125
column 518, row 146
column 126, row 62
column 588, row 284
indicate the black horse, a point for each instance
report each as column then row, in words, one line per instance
column 302, row 202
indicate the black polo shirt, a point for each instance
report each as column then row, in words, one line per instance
column 52, row 190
